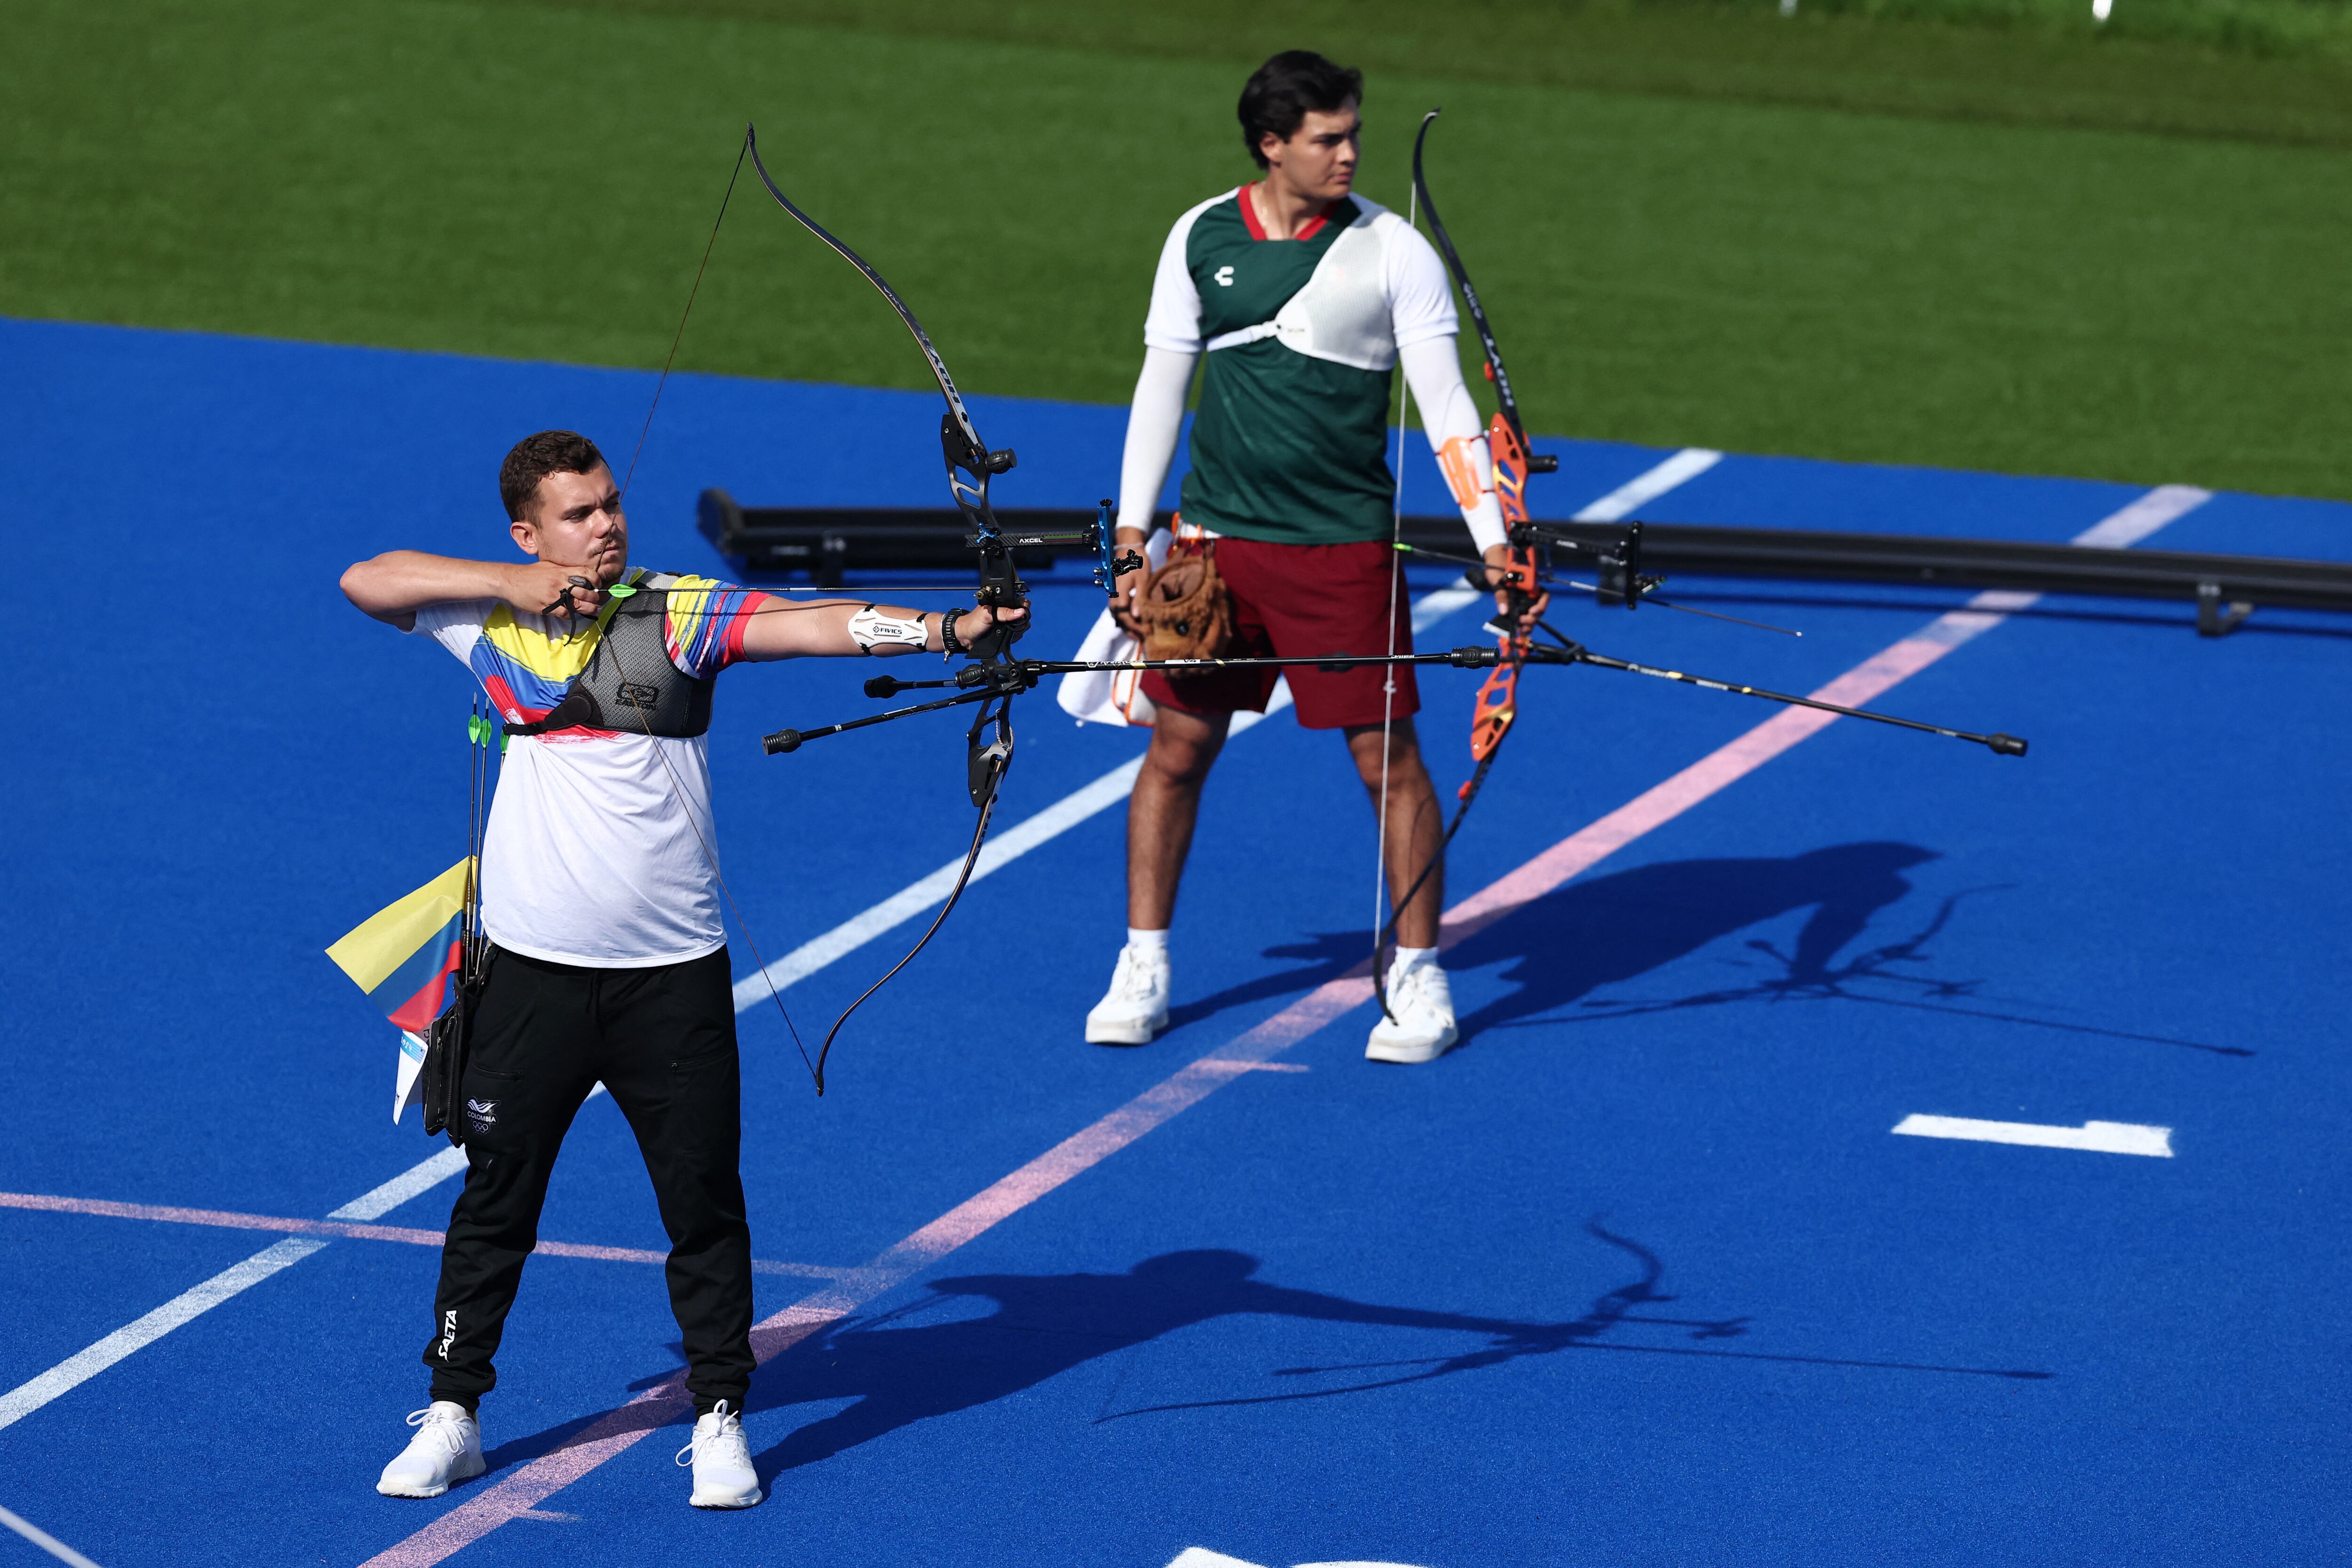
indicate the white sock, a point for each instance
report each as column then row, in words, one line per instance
column 1409, row 959
column 1150, row 941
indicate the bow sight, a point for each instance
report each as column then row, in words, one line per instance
column 1615, row 557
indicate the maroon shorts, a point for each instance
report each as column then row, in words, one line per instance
column 1298, row 601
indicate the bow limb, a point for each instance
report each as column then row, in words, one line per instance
column 956, row 411
column 971, row 464
column 998, row 762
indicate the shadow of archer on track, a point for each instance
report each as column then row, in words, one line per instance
column 1615, row 928
column 1044, row 1325
column 1558, row 951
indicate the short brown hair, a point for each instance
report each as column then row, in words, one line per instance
column 536, row 456
column 1275, row 99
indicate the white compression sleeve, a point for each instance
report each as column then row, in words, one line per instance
column 1433, row 371
column 1153, row 423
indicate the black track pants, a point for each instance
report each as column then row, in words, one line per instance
column 663, row 1041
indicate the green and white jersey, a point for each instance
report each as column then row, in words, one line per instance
column 1301, row 336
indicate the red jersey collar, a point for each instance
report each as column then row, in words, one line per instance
column 1257, row 230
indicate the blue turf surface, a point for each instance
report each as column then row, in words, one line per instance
column 1752, row 1326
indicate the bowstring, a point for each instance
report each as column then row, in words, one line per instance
column 1380, row 920
column 680, row 336
column 709, row 857
column 677, row 789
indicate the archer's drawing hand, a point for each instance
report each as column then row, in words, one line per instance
column 538, row 587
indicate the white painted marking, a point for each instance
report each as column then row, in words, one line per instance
column 45, row 1541
column 2144, row 517
column 1431, row 608
column 77, row 1369
column 1201, row 1557
column 1679, row 469
column 412, row 1183
column 2098, row 1137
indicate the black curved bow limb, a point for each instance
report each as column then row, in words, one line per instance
column 1523, row 596
column 971, row 464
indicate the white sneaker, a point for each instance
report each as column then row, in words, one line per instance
column 723, row 1477
column 1419, row 1025
column 447, row 1449
column 1137, row 1005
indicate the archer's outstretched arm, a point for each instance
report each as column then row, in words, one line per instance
column 395, row 585
column 822, row 628
column 1289, row 1303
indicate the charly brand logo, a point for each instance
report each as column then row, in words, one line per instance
column 448, row 1332
column 1225, row 276
column 482, row 1113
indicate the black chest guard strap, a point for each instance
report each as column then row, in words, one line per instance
column 630, row 687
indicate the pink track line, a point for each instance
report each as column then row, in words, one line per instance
column 229, row 1220
column 515, row 1496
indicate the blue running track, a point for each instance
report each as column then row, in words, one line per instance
column 1639, row 1274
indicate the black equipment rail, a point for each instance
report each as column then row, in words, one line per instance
column 826, row 541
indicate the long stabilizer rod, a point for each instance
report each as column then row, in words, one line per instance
column 1020, row 674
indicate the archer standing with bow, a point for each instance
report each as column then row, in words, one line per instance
column 1303, row 298
column 600, row 898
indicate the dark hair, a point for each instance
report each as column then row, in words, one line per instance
column 536, row 456
column 1279, row 94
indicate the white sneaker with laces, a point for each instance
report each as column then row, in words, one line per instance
column 723, row 1477
column 447, row 1449
column 1137, row 1005
column 1419, row 1025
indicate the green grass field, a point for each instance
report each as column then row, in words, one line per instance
column 2016, row 245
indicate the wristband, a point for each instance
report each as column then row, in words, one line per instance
column 949, row 646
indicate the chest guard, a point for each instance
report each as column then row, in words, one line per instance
column 1342, row 314
column 630, row 687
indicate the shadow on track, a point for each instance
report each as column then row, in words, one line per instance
column 1044, row 1325
column 1588, row 936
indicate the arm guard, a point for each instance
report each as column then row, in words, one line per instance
column 870, row 626
column 1469, row 471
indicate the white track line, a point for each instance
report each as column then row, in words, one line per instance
column 2096, row 1137
column 415, row 1182
column 794, row 966
column 45, row 1541
column 80, row 1368
column 1679, row 469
